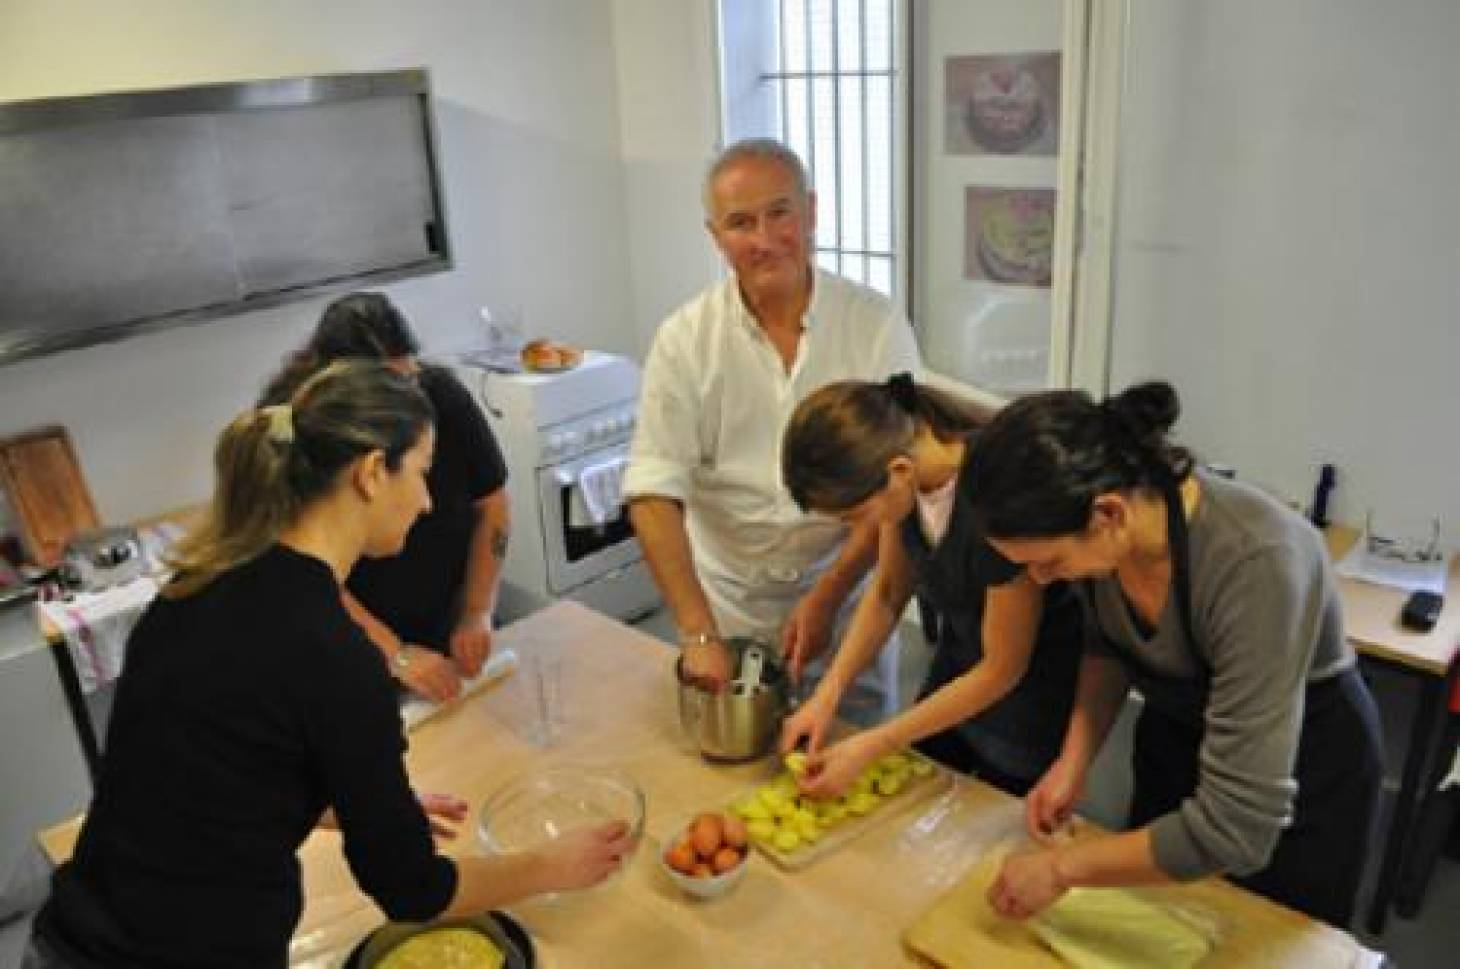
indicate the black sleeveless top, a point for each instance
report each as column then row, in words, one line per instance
column 1022, row 733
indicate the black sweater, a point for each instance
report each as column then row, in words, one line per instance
column 418, row 592
column 245, row 710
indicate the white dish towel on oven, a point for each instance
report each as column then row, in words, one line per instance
column 598, row 494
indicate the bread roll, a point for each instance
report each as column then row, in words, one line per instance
column 570, row 355
column 541, row 355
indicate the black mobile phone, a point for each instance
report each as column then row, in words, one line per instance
column 1421, row 610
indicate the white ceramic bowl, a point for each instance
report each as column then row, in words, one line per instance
column 712, row 886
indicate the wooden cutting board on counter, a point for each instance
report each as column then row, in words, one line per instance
column 961, row 931
column 48, row 497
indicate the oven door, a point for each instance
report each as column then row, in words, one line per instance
column 575, row 550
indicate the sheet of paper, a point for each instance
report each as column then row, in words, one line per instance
column 1361, row 564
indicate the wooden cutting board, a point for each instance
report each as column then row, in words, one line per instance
column 961, row 931
column 47, row 493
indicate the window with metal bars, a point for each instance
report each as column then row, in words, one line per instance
column 822, row 76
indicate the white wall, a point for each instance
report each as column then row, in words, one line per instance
column 983, row 332
column 666, row 63
column 1287, row 244
column 528, row 112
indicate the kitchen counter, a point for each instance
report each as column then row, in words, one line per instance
column 848, row 908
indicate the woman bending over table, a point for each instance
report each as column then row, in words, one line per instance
column 252, row 707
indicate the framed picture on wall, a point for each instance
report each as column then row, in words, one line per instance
column 1009, row 235
column 1001, row 104
column 990, row 225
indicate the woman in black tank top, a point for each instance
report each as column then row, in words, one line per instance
column 1006, row 651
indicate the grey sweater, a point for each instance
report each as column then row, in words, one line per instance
column 1265, row 612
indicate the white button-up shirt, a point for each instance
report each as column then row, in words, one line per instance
column 716, row 398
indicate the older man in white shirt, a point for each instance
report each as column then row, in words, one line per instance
column 729, row 549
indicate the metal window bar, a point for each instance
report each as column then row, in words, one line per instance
column 836, row 143
column 866, row 183
column 836, row 127
column 810, row 95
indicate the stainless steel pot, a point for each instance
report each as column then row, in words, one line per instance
column 742, row 721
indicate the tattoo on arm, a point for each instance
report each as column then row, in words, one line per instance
column 499, row 543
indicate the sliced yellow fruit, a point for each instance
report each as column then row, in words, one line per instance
column 762, row 830
column 787, row 840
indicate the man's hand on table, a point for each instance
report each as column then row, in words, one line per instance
column 1028, row 883
column 426, row 672
column 471, row 643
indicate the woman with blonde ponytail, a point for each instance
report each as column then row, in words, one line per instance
column 253, row 708
column 1003, row 672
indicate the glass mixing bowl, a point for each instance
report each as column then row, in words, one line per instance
column 539, row 806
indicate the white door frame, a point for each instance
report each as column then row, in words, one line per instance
column 1095, row 32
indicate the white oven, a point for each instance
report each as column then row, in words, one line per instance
column 565, row 437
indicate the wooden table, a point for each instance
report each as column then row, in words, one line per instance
column 1371, row 621
column 848, row 909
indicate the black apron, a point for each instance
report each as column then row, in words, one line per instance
column 1319, row 859
column 1013, row 742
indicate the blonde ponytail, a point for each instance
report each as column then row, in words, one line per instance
column 272, row 462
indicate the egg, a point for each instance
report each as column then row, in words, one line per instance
column 703, row 869
column 706, row 833
column 725, row 859
column 735, row 832
column 682, row 858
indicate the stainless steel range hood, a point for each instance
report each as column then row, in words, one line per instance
column 125, row 212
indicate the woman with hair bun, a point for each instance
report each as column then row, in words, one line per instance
column 1006, row 651
column 253, row 709
column 1258, row 751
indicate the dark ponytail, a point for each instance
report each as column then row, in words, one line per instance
column 1043, row 461
column 365, row 326
column 836, row 448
